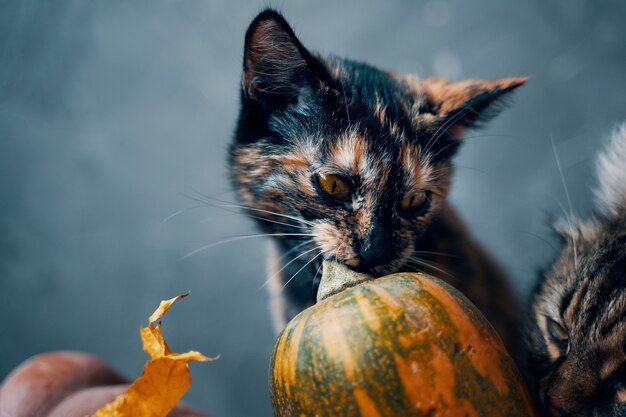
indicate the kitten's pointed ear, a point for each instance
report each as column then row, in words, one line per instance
column 276, row 66
column 466, row 104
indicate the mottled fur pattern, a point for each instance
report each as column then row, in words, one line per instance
column 387, row 136
column 584, row 292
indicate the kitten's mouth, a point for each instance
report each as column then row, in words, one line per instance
column 356, row 265
column 377, row 270
column 360, row 269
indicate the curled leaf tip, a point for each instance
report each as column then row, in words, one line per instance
column 164, row 306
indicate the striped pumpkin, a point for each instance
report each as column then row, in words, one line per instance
column 402, row 345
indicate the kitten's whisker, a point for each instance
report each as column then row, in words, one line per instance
column 443, row 149
column 569, row 202
column 426, row 252
column 482, row 171
column 429, row 265
column 298, row 246
column 244, row 207
column 287, row 264
column 305, row 265
column 299, row 226
column 306, row 222
column 541, row 239
column 224, row 205
column 179, row 212
column 236, row 238
column 205, row 204
column 440, row 169
column 562, row 207
column 417, row 266
column 495, row 135
column 314, row 282
column 447, row 125
column 414, row 267
column 345, row 102
column 570, row 224
column 449, row 145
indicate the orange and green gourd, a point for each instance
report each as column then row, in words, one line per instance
column 401, row 345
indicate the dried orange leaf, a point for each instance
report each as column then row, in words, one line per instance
column 153, row 342
column 163, row 307
column 165, row 377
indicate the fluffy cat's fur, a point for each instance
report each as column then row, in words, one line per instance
column 577, row 331
column 388, row 140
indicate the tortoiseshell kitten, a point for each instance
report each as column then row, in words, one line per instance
column 578, row 314
column 342, row 160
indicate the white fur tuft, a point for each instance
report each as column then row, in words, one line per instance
column 611, row 173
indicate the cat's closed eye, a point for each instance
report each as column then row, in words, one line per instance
column 558, row 333
column 415, row 204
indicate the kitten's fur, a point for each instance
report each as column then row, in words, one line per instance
column 584, row 291
column 388, row 136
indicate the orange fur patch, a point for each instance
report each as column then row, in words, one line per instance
column 411, row 161
column 380, row 113
column 450, row 96
column 350, row 153
column 333, row 242
column 620, row 396
column 293, row 161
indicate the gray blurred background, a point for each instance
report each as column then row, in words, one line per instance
column 114, row 115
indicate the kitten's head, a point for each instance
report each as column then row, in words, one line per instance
column 355, row 157
column 578, row 319
column 578, row 315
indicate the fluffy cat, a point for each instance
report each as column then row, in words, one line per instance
column 340, row 160
column 578, row 314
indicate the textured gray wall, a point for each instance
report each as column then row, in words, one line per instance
column 113, row 113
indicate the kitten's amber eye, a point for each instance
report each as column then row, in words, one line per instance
column 416, row 203
column 334, row 186
column 557, row 331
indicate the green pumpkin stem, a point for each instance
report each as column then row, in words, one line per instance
column 337, row 277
